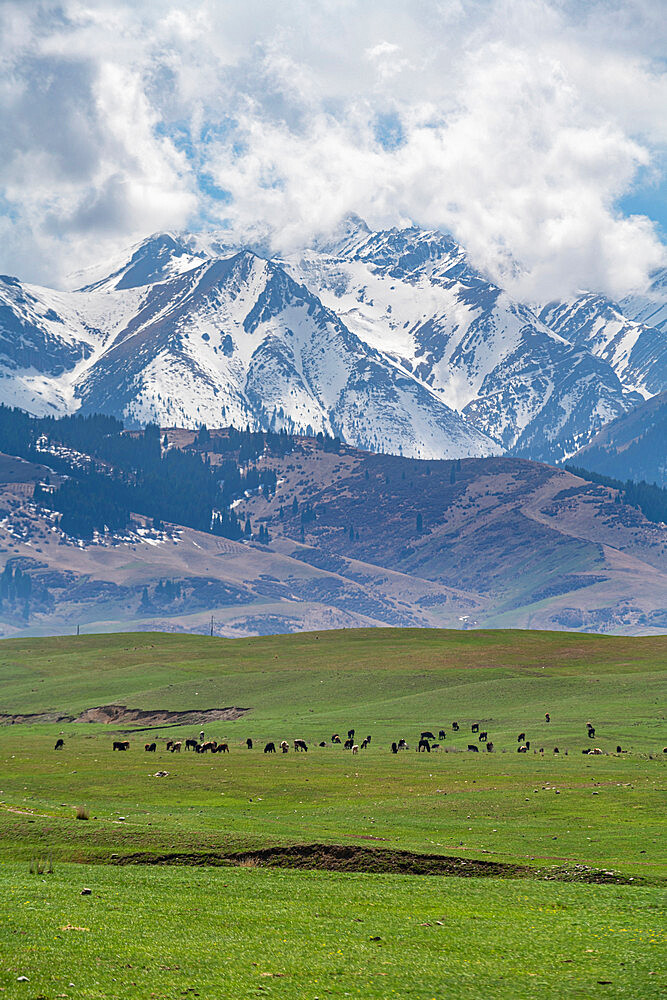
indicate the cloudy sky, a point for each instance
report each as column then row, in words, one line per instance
column 533, row 130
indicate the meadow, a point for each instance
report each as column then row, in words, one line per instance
column 186, row 895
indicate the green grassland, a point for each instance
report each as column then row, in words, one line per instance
column 170, row 928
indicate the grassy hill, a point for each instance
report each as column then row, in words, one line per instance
column 195, row 877
column 356, row 539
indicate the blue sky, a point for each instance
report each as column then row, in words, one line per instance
column 532, row 130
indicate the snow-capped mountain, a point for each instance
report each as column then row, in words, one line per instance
column 414, row 295
column 636, row 352
column 238, row 341
column 392, row 340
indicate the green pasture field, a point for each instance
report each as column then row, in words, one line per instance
column 518, row 936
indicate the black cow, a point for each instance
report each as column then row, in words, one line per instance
column 424, row 745
column 121, row 745
column 222, row 748
column 350, row 734
column 489, row 747
column 59, row 744
column 323, row 744
column 521, row 737
column 348, row 744
column 455, row 727
column 547, row 717
column 368, row 739
column 270, row 748
column 483, row 737
column 475, row 727
column 301, row 745
column 335, row 738
column 364, row 744
column 394, row 748
column 475, row 749
column 618, row 750
column 591, row 733
column 427, row 735
column 191, row 744
column 248, row 743
column 150, row 747
column 402, row 745
column 556, row 750
column 442, row 735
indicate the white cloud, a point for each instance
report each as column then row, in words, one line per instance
column 515, row 124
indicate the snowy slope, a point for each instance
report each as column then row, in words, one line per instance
column 413, row 295
column 238, row 341
column 636, row 352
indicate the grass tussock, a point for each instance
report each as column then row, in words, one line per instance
column 82, row 812
column 41, row 866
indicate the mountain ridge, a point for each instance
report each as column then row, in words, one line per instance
column 391, row 340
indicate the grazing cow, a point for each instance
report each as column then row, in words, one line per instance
column 473, row 748
column 368, row 739
column 596, row 751
column 424, row 745
column 270, row 748
column 323, row 743
column 522, row 749
column 521, row 737
column 170, row 744
column 402, row 745
column 442, row 735
column 222, row 748
column 618, row 750
column 248, row 743
column 335, row 738
column 394, row 748
column 455, row 726
column 527, row 744
column 489, row 747
column 364, row 744
column 284, row 746
column 427, row 735
column 547, row 717
column 121, row 745
column 59, row 744
column 176, row 747
column 475, row 727
column 350, row 734
column 209, row 745
column 189, row 744
column 591, row 733
column 150, row 747
column 483, row 737
column 347, row 745
column 301, row 745
column 435, row 746
column 555, row 749
column 355, row 748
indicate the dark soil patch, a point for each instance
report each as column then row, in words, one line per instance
column 354, row 858
column 151, row 718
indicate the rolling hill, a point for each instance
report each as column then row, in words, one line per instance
column 352, row 538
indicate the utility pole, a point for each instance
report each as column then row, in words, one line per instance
column 211, row 625
column 77, row 629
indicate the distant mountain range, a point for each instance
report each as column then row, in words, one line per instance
column 390, row 340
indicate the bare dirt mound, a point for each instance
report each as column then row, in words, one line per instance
column 108, row 714
column 354, row 858
column 121, row 714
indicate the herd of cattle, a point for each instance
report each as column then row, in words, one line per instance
column 426, row 743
